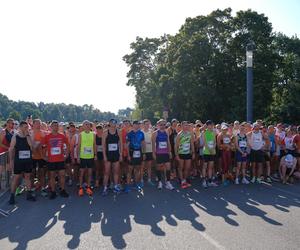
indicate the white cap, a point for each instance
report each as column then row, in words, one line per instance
column 224, row 126
column 289, row 158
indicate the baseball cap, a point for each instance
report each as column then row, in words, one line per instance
column 289, row 158
column 209, row 122
column 136, row 122
column 113, row 121
column 224, row 126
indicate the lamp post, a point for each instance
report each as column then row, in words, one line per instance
column 249, row 62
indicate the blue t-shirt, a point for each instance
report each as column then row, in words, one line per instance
column 135, row 139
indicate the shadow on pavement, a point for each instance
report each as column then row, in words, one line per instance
column 113, row 215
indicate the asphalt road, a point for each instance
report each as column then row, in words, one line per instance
column 235, row 217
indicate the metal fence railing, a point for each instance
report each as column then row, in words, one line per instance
column 5, row 175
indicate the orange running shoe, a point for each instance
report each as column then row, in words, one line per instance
column 89, row 191
column 80, row 192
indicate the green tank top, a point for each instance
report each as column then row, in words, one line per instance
column 87, row 145
column 210, row 141
column 184, row 143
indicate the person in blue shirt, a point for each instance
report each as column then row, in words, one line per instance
column 135, row 145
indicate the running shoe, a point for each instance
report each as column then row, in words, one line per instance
column 44, row 192
column 237, row 181
column 212, row 184
column 245, row 181
column 89, row 191
column 80, row 192
column 104, row 192
column 117, row 189
column 258, row 180
column 253, row 180
column 184, row 185
column 12, row 199
column 169, row 186
column 160, row 185
column 204, row 184
column 268, row 179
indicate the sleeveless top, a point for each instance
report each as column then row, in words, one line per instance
column 256, row 141
column 184, row 143
column 112, row 143
column 162, row 143
column 87, row 145
column 210, row 141
column 23, row 152
column 242, row 142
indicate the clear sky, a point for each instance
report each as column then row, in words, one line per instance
column 71, row 51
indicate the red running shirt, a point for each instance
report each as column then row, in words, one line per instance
column 55, row 147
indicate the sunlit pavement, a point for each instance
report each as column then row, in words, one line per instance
column 235, row 217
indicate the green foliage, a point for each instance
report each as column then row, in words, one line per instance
column 50, row 111
column 200, row 72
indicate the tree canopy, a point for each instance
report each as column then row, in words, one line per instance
column 200, row 72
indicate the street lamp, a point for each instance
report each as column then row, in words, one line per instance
column 249, row 60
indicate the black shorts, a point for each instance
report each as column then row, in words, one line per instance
column 40, row 163
column 209, row 158
column 296, row 154
column 185, row 156
column 113, row 157
column 23, row 167
column 69, row 160
column 100, row 156
column 86, row 163
column 149, row 157
column 256, row 156
column 162, row 158
column 56, row 166
column 135, row 161
column 267, row 156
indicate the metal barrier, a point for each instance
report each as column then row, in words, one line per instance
column 5, row 175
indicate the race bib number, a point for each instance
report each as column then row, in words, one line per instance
column 186, row 146
column 162, row 144
column 99, row 148
column 210, row 144
column 87, row 150
column 226, row 140
column 242, row 144
column 24, row 154
column 113, row 147
column 55, row 151
column 136, row 154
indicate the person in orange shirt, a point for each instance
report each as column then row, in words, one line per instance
column 39, row 163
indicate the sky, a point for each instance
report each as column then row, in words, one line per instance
column 71, row 51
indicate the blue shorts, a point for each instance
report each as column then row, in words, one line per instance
column 240, row 158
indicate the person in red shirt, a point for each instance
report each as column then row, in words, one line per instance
column 54, row 143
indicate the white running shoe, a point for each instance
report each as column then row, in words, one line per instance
column 237, row 181
column 160, row 185
column 204, row 184
column 245, row 181
column 169, row 186
column 253, row 180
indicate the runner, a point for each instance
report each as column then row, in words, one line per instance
column 161, row 149
column 21, row 154
column 288, row 142
column 126, row 127
column 267, row 154
column 147, row 164
column 86, row 155
column 185, row 153
column 173, row 130
column 39, row 163
column 54, row 143
column 209, row 155
column 297, row 146
column 74, row 136
column 99, row 162
column 112, row 155
column 255, row 139
column 135, row 147
column 274, row 152
column 287, row 167
column 241, row 145
column 224, row 145
column 236, row 128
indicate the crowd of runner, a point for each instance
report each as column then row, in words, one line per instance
column 121, row 157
